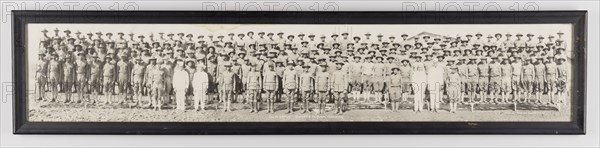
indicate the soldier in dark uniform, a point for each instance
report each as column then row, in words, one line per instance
column 322, row 86
column 306, row 87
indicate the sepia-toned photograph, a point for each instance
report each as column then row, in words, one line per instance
column 299, row 72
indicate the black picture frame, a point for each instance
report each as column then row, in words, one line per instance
column 575, row 126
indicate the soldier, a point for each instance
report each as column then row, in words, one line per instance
column 81, row 70
column 270, row 82
column 406, row 74
column 290, row 85
column 322, row 86
column 435, row 79
column 253, row 87
column 394, row 82
column 95, row 82
column 158, row 84
column 516, row 79
column 551, row 70
column 339, row 80
column 453, row 87
column 473, row 77
column 505, row 76
column 109, row 73
column 367, row 78
column 418, row 82
column 495, row 79
column 306, row 87
column 181, row 83
column 124, row 78
column 540, row 79
column 562, row 71
column 227, row 81
column 137, row 74
column 168, row 68
column 484, row 79
column 41, row 74
column 355, row 77
column 54, row 67
column 528, row 79
column 463, row 72
column 69, row 73
column 200, row 83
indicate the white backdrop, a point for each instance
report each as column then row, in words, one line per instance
column 7, row 139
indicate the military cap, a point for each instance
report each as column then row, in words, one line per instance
column 356, row 37
column 367, row 34
column 98, row 33
column 560, row 32
column 519, row 34
column 530, row 34
column 311, row 35
column 390, row 58
column 478, row 34
column 44, row 30
column 280, row 33
column 405, row 60
column 345, row 33
column 426, row 36
column 404, row 35
column 109, row 33
column 418, row 43
column 490, row 36
column 334, row 35
column 67, row 30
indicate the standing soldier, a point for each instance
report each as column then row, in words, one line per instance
column 290, row 85
column 340, row 85
column 484, row 79
column 270, row 82
column 95, row 82
column 124, row 78
column 158, row 76
column 367, row 78
column 463, row 72
column 435, row 79
column 505, row 76
column 540, row 74
column 394, row 82
column 516, row 84
column 109, row 73
column 181, row 81
column 527, row 79
column 473, row 76
column 41, row 76
column 322, row 86
column 82, row 68
column 355, row 71
column 69, row 73
column 563, row 71
column 139, row 69
column 306, row 87
column 54, row 69
column 200, row 86
column 406, row 74
column 453, row 87
column 495, row 79
column 379, row 72
column 551, row 70
column 227, row 80
column 253, row 87
column 418, row 81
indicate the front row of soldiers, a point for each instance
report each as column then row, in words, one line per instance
column 159, row 79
